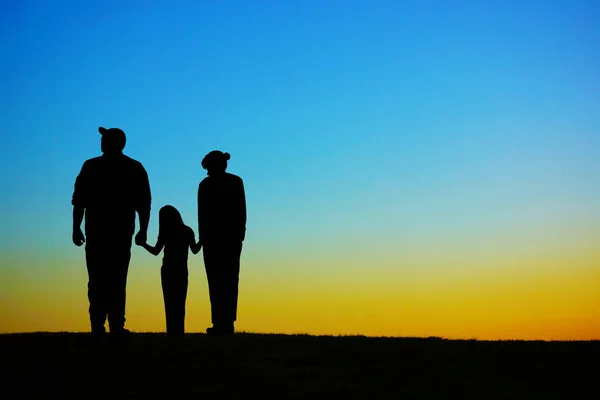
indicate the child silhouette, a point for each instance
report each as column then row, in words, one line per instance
column 176, row 238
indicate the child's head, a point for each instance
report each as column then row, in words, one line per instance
column 169, row 219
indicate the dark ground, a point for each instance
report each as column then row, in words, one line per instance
column 248, row 366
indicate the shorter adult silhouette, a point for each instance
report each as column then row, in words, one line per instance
column 221, row 230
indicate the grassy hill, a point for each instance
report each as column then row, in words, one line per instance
column 248, row 366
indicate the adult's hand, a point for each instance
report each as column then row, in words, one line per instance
column 78, row 237
column 141, row 238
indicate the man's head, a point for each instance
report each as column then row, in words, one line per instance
column 113, row 140
column 215, row 162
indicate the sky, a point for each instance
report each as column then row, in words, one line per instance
column 419, row 168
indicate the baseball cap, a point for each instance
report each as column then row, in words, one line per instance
column 114, row 134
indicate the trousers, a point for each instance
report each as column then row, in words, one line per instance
column 174, row 285
column 222, row 264
column 107, row 265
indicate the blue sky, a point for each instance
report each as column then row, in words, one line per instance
column 344, row 118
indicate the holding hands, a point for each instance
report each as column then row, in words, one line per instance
column 196, row 246
column 141, row 238
column 181, row 233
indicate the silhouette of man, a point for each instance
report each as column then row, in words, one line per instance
column 109, row 190
column 222, row 229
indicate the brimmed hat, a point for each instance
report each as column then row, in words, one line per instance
column 114, row 134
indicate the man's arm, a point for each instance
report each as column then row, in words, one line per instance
column 144, row 215
column 78, row 236
column 194, row 246
column 143, row 204
column 79, row 201
column 78, row 213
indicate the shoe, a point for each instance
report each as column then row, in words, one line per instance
column 211, row 331
column 220, row 330
column 227, row 331
column 98, row 332
column 120, row 334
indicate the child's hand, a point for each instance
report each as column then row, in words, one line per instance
column 196, row 247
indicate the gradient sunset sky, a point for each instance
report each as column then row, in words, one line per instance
column 422, row 168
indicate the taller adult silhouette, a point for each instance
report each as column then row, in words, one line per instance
column 109, row 190
column 221, row 229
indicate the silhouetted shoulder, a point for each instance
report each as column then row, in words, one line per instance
column 204, row 182
column 235, row 178
column 122, row 160
column 133, row 163
column 92, row 162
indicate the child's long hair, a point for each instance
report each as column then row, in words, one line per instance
column 169, row 223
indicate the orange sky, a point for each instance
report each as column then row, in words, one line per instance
column 552, row 295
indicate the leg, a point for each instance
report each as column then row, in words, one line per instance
column 119, row 266
column 180, row 295
column 167, row 296
column 222, row 261
column 97, row 286
column 211, row 264
column 231, row 282
column 174, row 284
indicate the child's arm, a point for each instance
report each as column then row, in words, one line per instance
column 195, row 247
column 154, row 250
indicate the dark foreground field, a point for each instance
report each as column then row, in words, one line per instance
column 249, row 366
